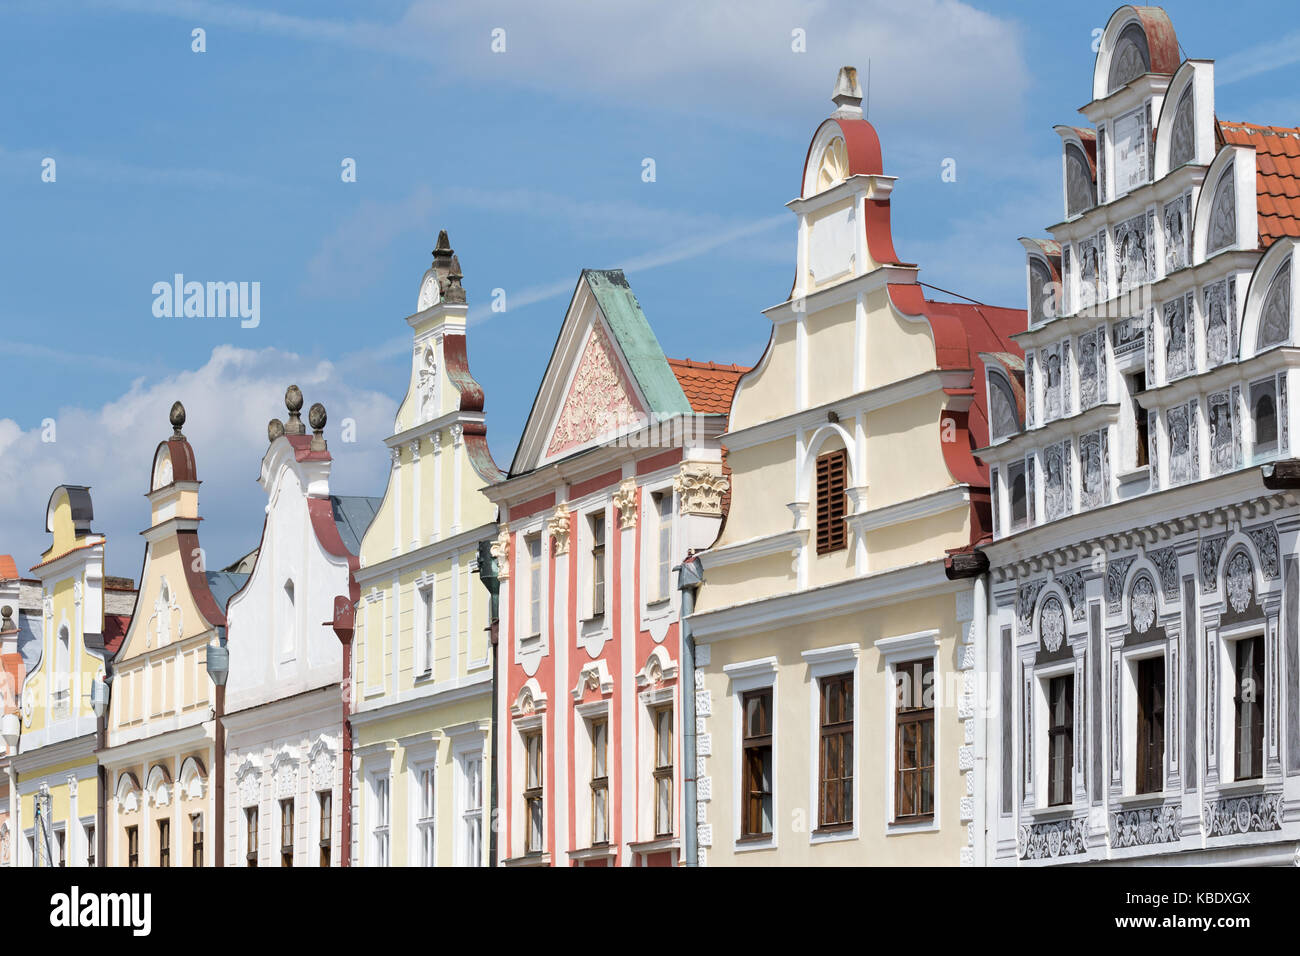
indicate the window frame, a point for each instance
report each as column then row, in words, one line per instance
column 831, row 507
column 426, row 616
column 903, row 649
column 1258, row 706
column 133, row 846
column 598, row 733
column 252, row 828
column 164, row 842
column 839, row 730
column 287, row 813
column 468, row 840
column 757, row 743
column 534, row 794
column 1051, row 731
column 826, row 663
column 662, row 554
column 662, row 773
column 746, row 677
column 598, row 547
column 325, row 828
column 196, row 839
column 424, row 793
column 1132, row 716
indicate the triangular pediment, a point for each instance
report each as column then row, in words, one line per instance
column 607, row 376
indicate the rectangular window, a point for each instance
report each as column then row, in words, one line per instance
column 756, row 813
column 132, row 846
column 663, row 502
column 1151, row 725
column 286, row 832
column 61, row 846
column 832, row 474
column 599, row 782
column 533, row 792
column 426, row 624
column 914, row 742
column 1060, row 741
column 325, row 801
column 1141, row 426
column 835, row 773
column 663, row 771
column 1249, row 701
column 598, row 565
column 250, row 836
column 424, row 824
column 534, row 545
column 472, row 810
column 1019, row 493
column 196, row 839
column 90, row 844
column 164, row 843
column 379, row 815
column 1263, row 415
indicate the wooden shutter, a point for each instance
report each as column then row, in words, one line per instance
column 832, row 470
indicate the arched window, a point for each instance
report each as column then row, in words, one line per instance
column 1130, row 58
column 1182, row 141
column 1223, row 214
column 834, row 166
column 1275, row 317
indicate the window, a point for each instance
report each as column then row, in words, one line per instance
column 471, row 816
column 196, row 839
column 1060, row 740
column 1141, row 432
column 61, row 846
column 325, row 803
column 663, row 502
column 286, row 832
column 1263, row 403
column 424, row 822
column 132, row 846
column 756, row 814
column 598, row 564
column 1019, row 496
column 379, row 816
column 426, row 625
column 534, row 545
column 1151, row 725
column 89, row 830
column 1248, row 698
column 835, row 767
column 250, row 836
column 914, row 741
column 533, row 792
column 164, row 843
column 832, row 469
column 599, row 782
column 663, row 771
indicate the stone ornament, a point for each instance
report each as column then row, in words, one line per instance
column 457, row 433
column 322, row 768
column 699, row 492
column 1145, row 827
column 501, row 551
column 1052, row 624
column 1142, row 605
column 625, row 500
column 600, row 400
column 558, row 527
column 1259, row 813
column 1044, row 841
column 1241, row 581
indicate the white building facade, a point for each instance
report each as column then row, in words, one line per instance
column 1145, row 570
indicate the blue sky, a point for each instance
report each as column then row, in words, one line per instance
column 225, row 166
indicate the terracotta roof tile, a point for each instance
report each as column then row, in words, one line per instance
column 1277, row 185
column 708, row 385
column 8, row 570
column 115, row 627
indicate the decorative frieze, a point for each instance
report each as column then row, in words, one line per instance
column 1026, row 598
column 1210, row 551
column 1257, row 813
column 1072, row 583
column 1166, row 562
column 1145, row 827
column 1116, row 572
column 1265, row 540
column 1050, row 841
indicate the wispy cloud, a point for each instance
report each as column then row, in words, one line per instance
column 352, row 256
column 71, row 167
column 1262, row 58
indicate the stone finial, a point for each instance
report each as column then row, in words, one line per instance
column 447, row 267
column 7, row 613
column 316, row 418
column 274, row 429
column 848, row 94
column 293, row 402
column 454, row 291
column 442, row 248
column 177, row 418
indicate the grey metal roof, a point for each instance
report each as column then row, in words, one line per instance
column 224, row 584
column 353, row 514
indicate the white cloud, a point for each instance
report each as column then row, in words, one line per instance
column 228, row 402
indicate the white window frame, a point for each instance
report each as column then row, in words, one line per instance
column 426, row 618
column 1043, row 677
column 379, row 844
column 822, row 663
column 653, row 700
column 83, row 858
column 1227, row 650
column 743, row 677
column 655, row 594
column 586, row 715
column 907, row 649
column 424, row 827
column 525, row 727
column 587, row 567
column 1128, row 717
column 468, row 745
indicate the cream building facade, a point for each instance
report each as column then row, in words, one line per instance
column 836, row 639
column 422, row 669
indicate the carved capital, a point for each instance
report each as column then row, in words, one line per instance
column 415, row 450
column 700, row 489
column 625, row 502
column 501, row 551
column 558, row 528
column 457, row 431
column 395, row 453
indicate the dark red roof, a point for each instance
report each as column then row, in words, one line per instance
column 1277, row 176
column 708, row 385
column 115, row 627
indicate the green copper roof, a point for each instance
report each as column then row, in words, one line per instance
column 637, row 342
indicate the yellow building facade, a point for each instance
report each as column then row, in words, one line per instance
column 422, row 668
column 837, row 640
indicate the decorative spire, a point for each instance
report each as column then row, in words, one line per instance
column 447, row 267
column 293, row 402
column 848, row 94
column 177, row 418
column 274, row 429
column 316, row 418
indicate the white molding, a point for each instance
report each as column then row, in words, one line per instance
column 819, row 659
column 755, row 673
column 912, row 509
column 753, row 548
column 896, row 649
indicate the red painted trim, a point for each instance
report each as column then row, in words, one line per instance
column 524, row 509
column 187, row 542
column 327, row 533
column 584, row 488
column 456, row 358
column 670, row 457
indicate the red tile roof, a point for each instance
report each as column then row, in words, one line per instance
column 115, row 626
column 1277, row 176
column 708, row 386
column 8, row 570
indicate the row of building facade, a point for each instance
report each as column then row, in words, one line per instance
column 934, row 582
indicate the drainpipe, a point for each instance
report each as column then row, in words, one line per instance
column 690, row 575
column 99, row 697
column 487, row 572
column 344, row 624
column 218, row 665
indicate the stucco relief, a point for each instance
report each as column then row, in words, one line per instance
column 1223, row 214
column 1051, row 623
column 1259, row 813
column 557, row 526
column 1052, row 371
column 1182, row 142
column 1054, row 467
column 1180, row 447
column 1175, row 222
column 321, row 764
column 427, row 382
column 1026, row 597
column 1210, row 551
column 700, row 491
column 1072, row 583
column 1240, row 580
column 1046, row 841
column 600, row 399
column 1176, row 339
column 1265, row 539
column 1131, row 253
column 1166, row 562
column 167, row 620
column 1275, row 318
column 1142, row 605
column 1116, row 572
column 1088, row 394
column 625, row 500
column 501, row 551
column 1145, row 827
column 1091, row 486
column 1218, row 348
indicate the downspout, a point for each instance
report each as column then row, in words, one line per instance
column 487, row 572
column 218, row 769
column 690, row 575
column 344, row 624
column 101, row 803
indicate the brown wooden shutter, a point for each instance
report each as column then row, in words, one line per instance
column 832, row 469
